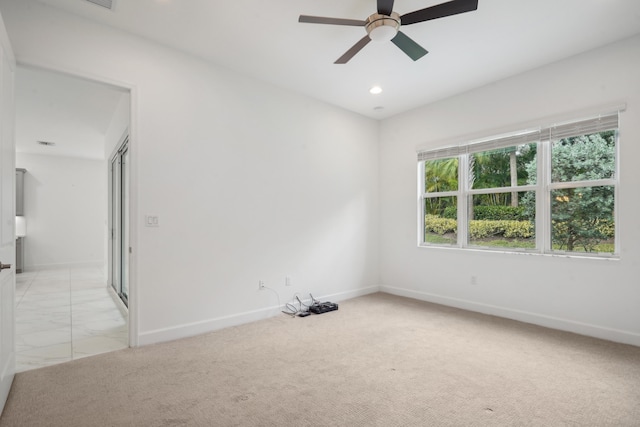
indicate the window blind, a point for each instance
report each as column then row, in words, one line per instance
column 600, row 123
column 521, row 138
column 583, row 127
column 441, row 153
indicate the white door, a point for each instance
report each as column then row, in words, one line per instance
column 7, row 218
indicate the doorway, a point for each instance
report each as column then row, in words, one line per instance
column 65, row 304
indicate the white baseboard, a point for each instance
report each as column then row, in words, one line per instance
column 343, row 296
column 616, row 335
column 197, row 328
column 84, row 264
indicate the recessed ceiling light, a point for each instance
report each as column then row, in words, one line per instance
column 47, row 143
column 375, row 90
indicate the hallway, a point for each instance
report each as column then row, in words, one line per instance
column 65, row 314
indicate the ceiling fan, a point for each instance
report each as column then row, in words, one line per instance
column 385, row 25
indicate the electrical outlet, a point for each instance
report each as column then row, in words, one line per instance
column 260, row 285
column 287, row 281
column 474, row 280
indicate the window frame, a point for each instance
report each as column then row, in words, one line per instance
column 543, row 138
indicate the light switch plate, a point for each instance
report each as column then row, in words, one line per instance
column 151, row 221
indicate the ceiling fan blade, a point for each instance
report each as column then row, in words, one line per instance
column 385, row 7
column 333, row 21
column 453, row 7
column 408, row 46
column 354, row 49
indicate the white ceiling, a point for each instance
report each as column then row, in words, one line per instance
column 263, row 39
column 73, row 113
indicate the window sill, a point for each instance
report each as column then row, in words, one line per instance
column 504, row 251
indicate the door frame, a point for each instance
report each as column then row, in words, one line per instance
column 134, row 227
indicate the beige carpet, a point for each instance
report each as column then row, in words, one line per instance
column 380, row 360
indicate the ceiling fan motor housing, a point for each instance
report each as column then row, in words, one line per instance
column 383, row 27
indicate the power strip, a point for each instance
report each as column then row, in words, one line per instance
column 323, row 307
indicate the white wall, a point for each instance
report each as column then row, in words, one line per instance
column 595, row 297
column 249, row 182
column 65, row 204
column 119, row 125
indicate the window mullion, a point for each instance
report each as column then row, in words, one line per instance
column 579, row 184
column 543, row 209
column 440, row 194
column 463, row 199
column 493, row 190
column 616, row 196
column 421, row 202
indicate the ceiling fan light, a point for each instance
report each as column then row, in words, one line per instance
column 383, row 33
column 383, row 27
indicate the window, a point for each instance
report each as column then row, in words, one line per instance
column 441, row 184
column 551, row 190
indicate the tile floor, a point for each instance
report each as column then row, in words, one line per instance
column 65, row 314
